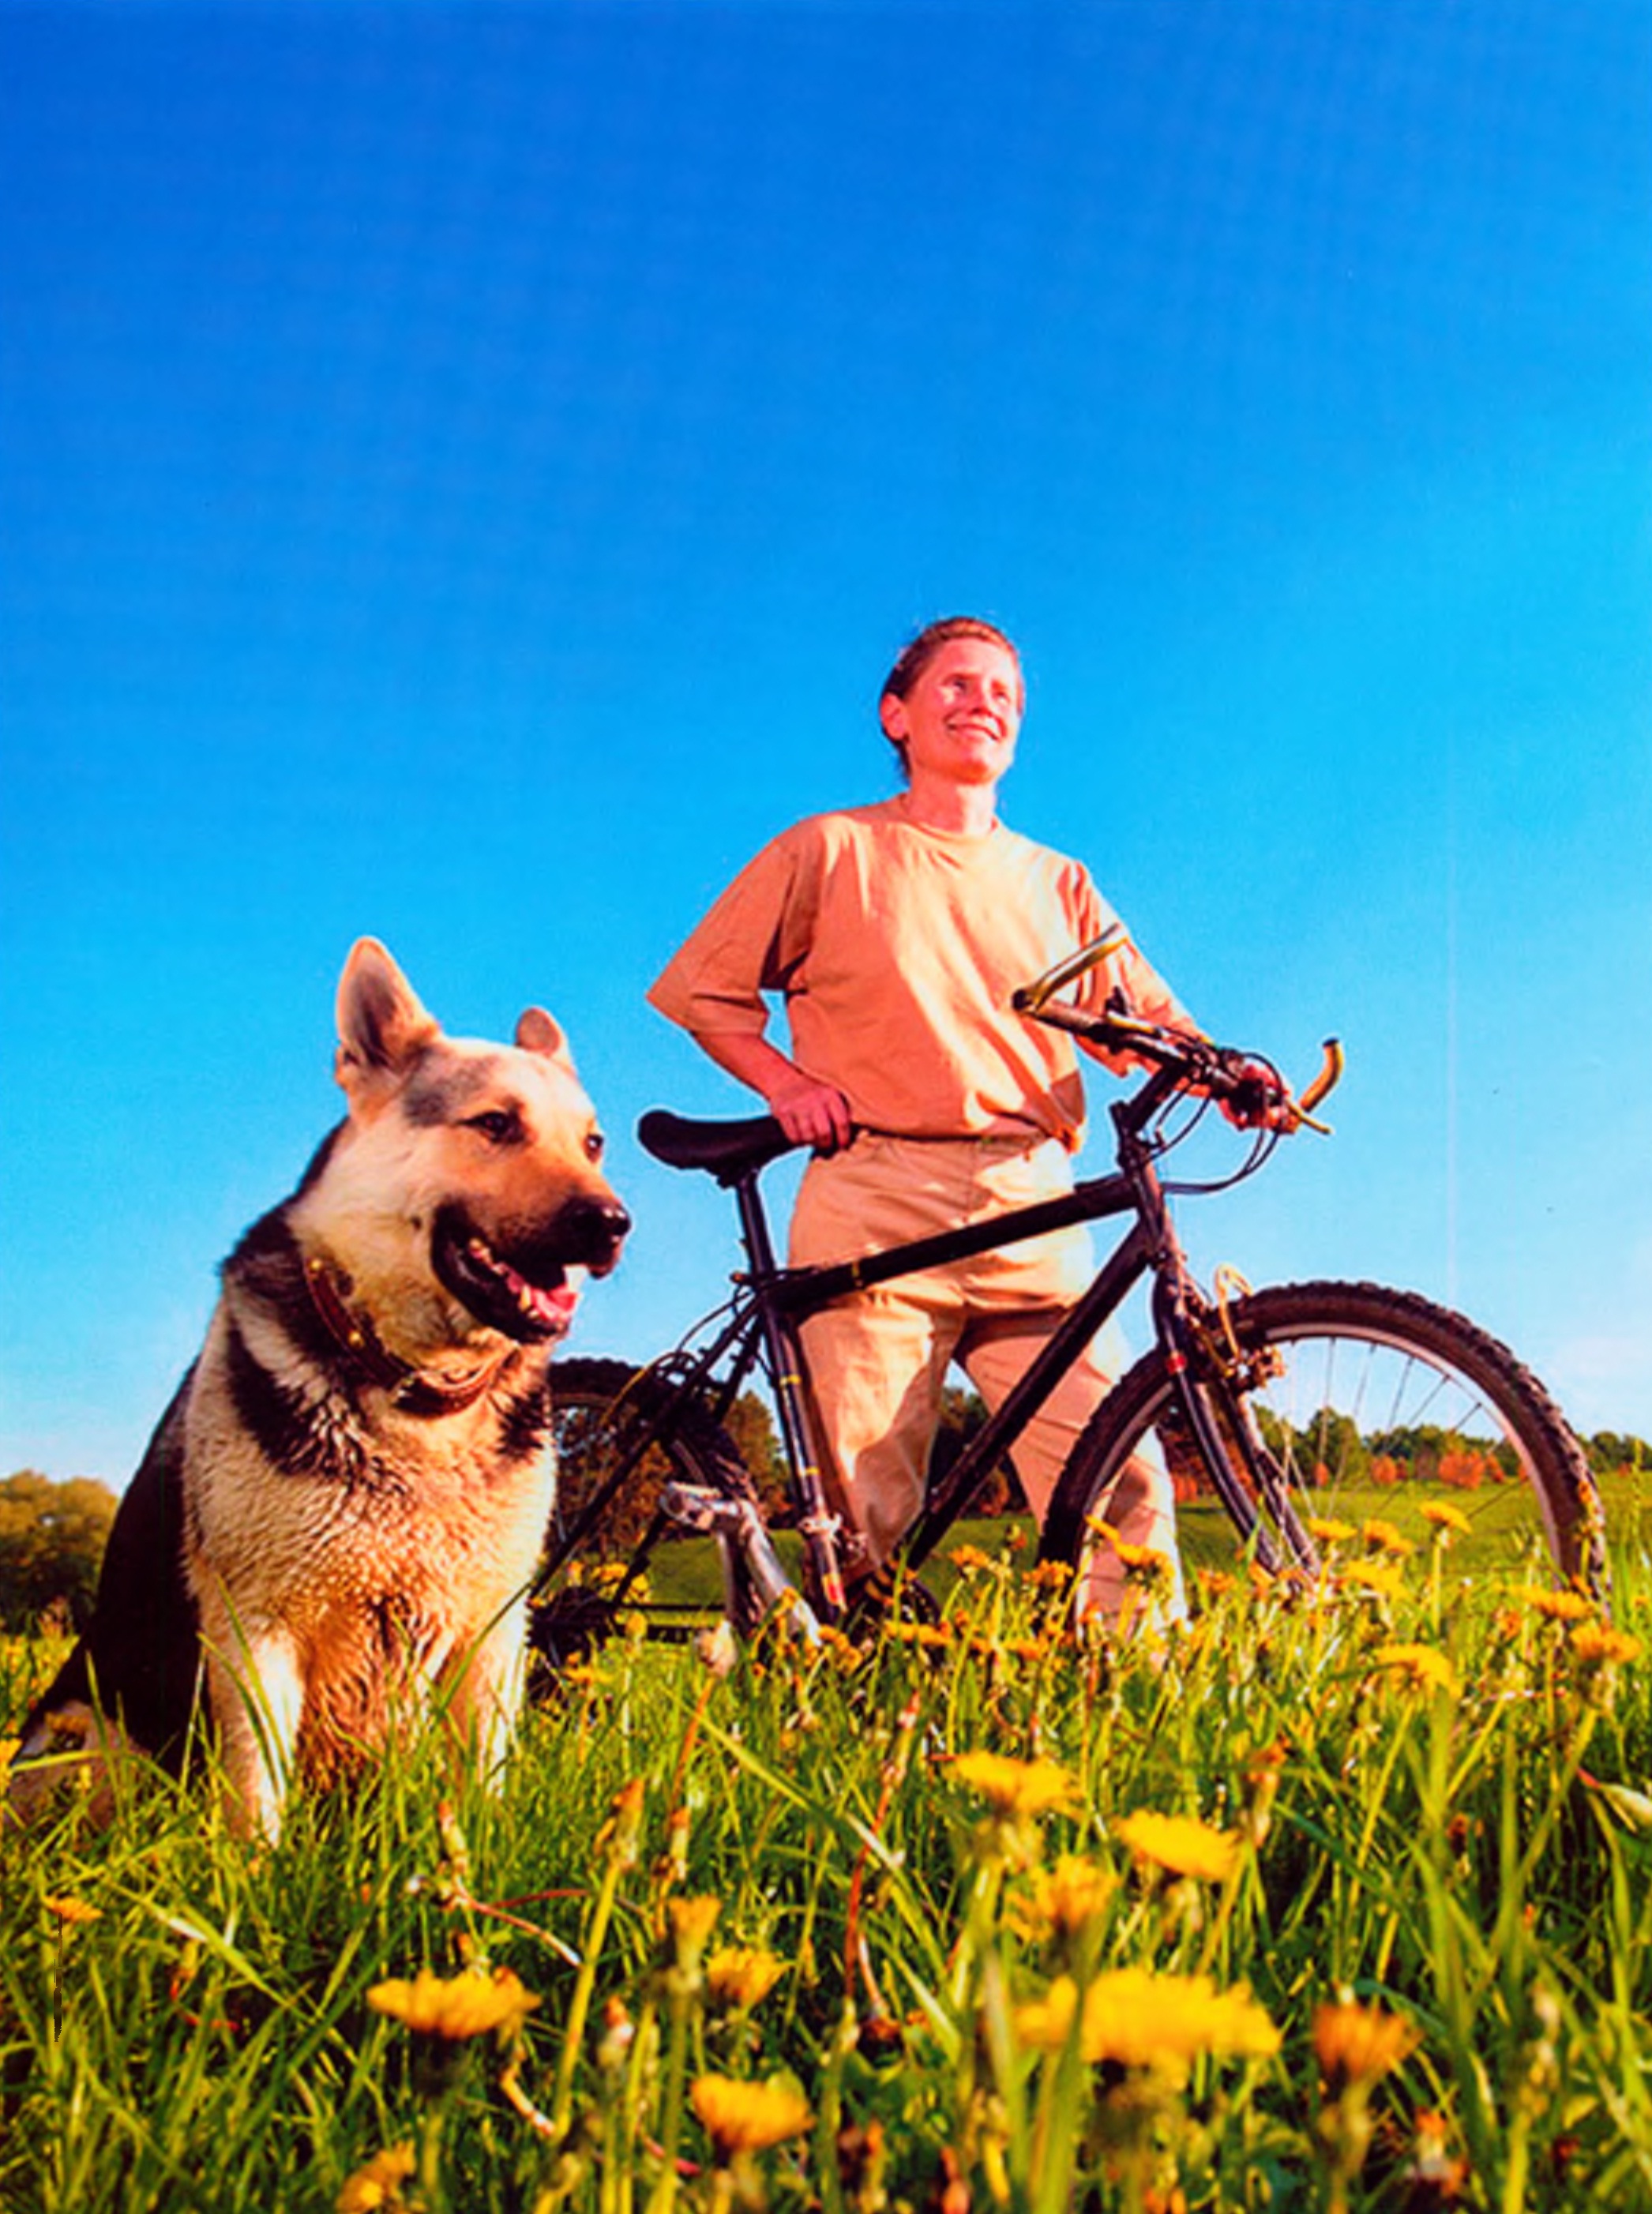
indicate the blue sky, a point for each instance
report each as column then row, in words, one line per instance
column 465, row 469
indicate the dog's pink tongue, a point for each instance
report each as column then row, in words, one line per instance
column 555, row 1306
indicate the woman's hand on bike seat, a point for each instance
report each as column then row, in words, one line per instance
column 811, row 1113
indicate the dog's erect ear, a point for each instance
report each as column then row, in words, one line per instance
column 383, row 1025
column 538, row 1032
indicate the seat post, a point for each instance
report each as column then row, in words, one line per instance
column 754, row 1225
column 816, row 1520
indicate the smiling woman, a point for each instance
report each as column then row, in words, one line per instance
column 954, row 702
column 897, row 935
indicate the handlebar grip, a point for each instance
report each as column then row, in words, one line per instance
column 1329, row 1076
column 1030, row 999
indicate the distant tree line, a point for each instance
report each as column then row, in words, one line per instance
column 1610, row 1451
column 52, row 1541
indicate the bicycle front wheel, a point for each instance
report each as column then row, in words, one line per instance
column 1339, row 1406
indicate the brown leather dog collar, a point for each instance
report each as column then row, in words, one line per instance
column 413, row 1391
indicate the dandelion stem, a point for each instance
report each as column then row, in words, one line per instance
column 622, row 1851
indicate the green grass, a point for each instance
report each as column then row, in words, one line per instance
column 687, row 1573
column 1473, row 1858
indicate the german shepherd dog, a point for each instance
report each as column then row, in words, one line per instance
column 347, row 1497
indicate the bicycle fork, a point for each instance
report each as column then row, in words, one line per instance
column 1213, row 1388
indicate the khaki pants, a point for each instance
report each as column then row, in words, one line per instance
column 878, row 1358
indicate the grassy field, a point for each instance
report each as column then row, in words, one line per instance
column 1338, row 1899
column 1504, row 1531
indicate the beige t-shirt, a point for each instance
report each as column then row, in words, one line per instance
column 896, row 949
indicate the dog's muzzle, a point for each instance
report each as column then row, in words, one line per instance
column 518, row 1281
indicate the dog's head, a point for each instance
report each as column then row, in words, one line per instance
column 467, row 1172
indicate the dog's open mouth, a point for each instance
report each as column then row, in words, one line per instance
column 501, row 1296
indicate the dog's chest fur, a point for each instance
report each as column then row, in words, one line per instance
column 381, row 1542
column 303, row 1459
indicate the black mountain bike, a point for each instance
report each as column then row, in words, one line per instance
column 1270, row 1408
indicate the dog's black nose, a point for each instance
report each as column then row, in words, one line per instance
column 616, row 1219
column 592, row 1231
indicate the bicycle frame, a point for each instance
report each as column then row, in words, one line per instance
column 774, row 1302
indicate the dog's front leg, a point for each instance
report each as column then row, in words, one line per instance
column 256, row 1687
column 487, row 1693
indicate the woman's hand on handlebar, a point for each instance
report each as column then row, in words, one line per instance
column 1256, row 1097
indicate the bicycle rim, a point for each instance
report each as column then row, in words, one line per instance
column 1364, row 1423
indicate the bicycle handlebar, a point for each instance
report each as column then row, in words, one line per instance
column 1220, row 1072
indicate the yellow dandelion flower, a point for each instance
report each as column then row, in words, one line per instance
column 1050, row 1575
column 844, row 1654
column 1145, row 1561
column 618, row 1836
column 1032, row 1649
column 1382, row 1578
column 1555, row 1606
column 1437, row 2176
column 454, row 2007
column 1357, row 2043
column 970, row 1560
column 1596, row 1646
column 741, row 1975
column 1061, row 1902
column 1422, row 1667
column 933, row 1634
column 1444, row 1516
column 1327, row 1532
column 1139, row 2020
column 1383, row 1537
column 1180, row 1843
column 692, row 1922
column 1015, row 1788
column 1214, row 1583
column 1045, row 2024
column 378, row 2182
column 72, row 1909
column 747, row 2117
column 717, row 1650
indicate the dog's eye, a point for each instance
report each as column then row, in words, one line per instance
column 596, row 1145
column 496, row 1125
